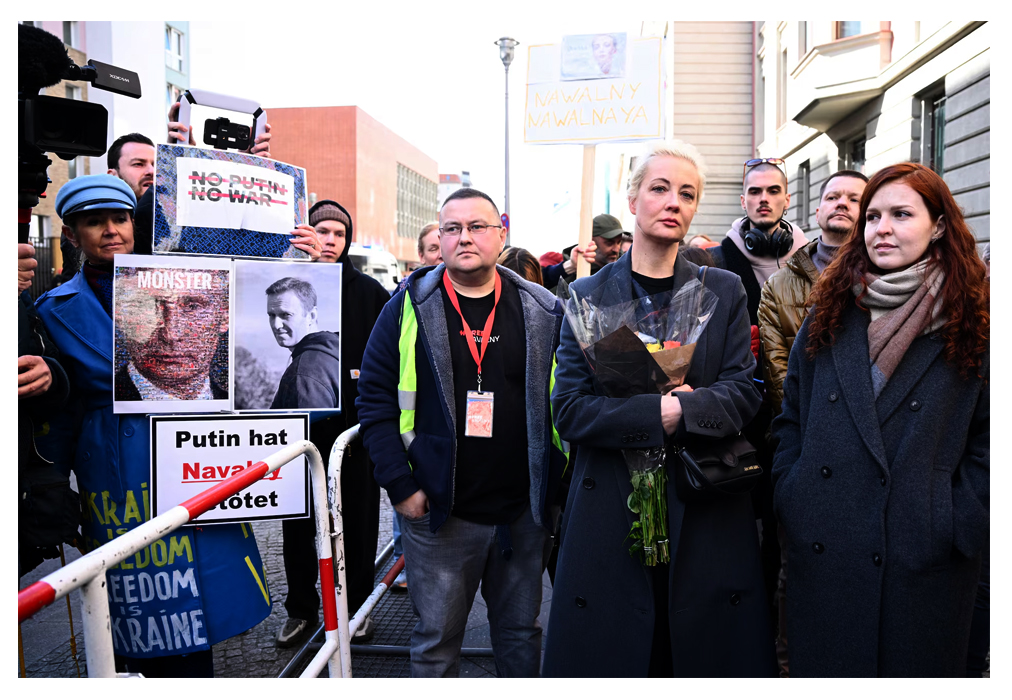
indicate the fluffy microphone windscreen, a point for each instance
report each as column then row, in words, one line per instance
column 42, row 58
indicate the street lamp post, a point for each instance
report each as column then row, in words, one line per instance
column 506, row 46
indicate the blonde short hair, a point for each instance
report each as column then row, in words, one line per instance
column 674, row 148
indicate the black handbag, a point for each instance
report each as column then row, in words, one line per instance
column 705, row 469
column 708, row 468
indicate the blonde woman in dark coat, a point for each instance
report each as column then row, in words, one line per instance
column 882, row 479
column 704, row 614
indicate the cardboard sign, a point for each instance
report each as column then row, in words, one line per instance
column 171, row 319
column 561, row 108
column 212, row 202
column 193, row 453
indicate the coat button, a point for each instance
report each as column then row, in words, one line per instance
column 735, row 598
column 833, row 396
column 876, row 560
column 588, row 483
column 581, row 602
column 702, row 423
column 915, row 405
column 625, row 438
column 87, row 455
column 720, row 424
column 818, row 548
column 128, row 432
column 826, row 472
column 883, row 481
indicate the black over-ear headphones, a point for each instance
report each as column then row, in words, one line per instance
column 775, row 244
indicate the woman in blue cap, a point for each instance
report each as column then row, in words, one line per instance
column 195, row 587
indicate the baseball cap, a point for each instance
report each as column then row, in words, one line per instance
column 607, row 226
column 94, row 192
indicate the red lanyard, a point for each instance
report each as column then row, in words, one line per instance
column 468, row 333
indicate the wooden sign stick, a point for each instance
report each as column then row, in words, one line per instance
column 586, row 208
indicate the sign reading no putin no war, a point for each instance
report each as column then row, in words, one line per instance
column 215, row 202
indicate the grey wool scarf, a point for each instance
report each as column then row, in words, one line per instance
column 903, row 305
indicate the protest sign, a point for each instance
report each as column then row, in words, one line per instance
column 287, row 335
column 190, row 454
column 613, row 106
column 171, row 334
column 215, row 202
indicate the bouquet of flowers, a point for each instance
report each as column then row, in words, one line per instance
column 641, row 346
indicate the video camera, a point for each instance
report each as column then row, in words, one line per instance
column 68, row 128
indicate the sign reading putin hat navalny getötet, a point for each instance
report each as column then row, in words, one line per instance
column 190, row 454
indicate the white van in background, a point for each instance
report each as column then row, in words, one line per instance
column 377, row 263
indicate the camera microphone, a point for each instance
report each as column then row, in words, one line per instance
column 42, row 59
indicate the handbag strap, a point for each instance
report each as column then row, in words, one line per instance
column 702, row 283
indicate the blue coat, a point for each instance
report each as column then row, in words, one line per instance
column 430, row 462
column 193, row 588
column 602, row 617
column 885, row 505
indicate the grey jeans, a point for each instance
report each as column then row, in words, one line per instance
column 444, row 570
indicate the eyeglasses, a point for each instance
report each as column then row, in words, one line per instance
column 454, row 230
column 759, row 161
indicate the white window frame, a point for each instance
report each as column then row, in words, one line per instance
column 175, row 39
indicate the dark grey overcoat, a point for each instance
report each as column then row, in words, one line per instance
column 885, row 504
column 602, row 617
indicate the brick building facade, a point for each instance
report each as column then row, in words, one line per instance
column 388, row 185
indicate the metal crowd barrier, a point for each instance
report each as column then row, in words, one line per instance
column 88, row 572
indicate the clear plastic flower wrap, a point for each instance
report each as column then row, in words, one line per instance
column 633, row 347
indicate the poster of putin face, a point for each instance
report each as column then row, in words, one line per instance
column 287, row 336
column 171, row 321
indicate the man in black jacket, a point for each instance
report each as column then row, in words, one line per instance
column 754, row 248
column 362, row 299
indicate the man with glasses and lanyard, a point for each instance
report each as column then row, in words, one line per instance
column 755, row 247
column 453, row 404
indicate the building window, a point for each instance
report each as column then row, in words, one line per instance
column 782, row 89
column 853, row 154
column 38, row 228
column 75, row 167
column 73, row 92
column 804, row 193
column 70, row 37
column 417, row 199
column 805, row 42
column 845, row 29
column 174, row 49
column 172, row 95
column 933, row 132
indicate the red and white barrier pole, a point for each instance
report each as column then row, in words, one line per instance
column 88, row 572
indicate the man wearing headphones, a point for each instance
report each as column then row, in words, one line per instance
column 757, row 246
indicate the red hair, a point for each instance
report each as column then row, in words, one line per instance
column 965, row 293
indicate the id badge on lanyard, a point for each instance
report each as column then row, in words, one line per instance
column 479, row 414
column 479, row 405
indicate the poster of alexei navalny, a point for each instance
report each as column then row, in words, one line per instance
column 171, row 334
column 586, row 56
column 212, row 202
column 287, row 336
